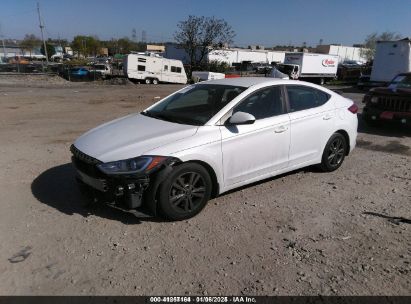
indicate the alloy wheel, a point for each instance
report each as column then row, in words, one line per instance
column 336, row 152
column 187, row 192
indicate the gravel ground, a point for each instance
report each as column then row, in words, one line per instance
column 303, row 233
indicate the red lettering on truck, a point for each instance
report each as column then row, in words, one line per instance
column 328, row 63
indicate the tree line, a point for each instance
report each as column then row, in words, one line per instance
column 82, row 45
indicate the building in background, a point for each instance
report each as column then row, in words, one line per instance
column 228, row 55
column 16, row 51
column 345, row 53
column 68, row 50
column 155, row 48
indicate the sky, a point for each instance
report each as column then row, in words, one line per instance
column 255, row 22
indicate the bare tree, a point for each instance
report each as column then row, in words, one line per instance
column 199, row 35
column 371, row 42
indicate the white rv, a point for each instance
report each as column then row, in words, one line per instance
column 309, row 66
column 152, row 68
column 391, row 58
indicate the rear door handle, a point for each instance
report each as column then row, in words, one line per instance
column 327, row 117
column 280, row 129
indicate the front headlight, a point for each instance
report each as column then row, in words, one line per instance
column 131, row 165
column 374, row 99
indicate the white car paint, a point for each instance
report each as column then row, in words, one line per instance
column 131, row 136
column 238, row 156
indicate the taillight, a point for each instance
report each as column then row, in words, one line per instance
column 353, row 109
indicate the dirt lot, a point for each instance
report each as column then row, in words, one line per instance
column 304, row 233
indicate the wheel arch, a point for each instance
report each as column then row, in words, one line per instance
column 151, row 195
column 215, row 185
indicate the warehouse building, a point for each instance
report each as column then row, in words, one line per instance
column 344, row 52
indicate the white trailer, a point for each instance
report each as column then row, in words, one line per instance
column 310, row 66
column 205, row 75
column 391, row 58
column 154, row 69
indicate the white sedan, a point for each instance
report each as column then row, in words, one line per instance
column 211, row 137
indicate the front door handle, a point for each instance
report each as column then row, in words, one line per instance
column 327, row 117
column 280, row 129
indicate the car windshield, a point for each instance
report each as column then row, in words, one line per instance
column 401, row 81
column 195, row 105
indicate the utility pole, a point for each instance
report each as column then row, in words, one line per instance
column 4, row 48
column 143, row 36
column 42, row 35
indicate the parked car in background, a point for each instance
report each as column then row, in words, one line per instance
column 101, row 70
column 263, row 68
column 352, row 63
column 79, row 73
column 391, row 103
column 211, row 137
column 363, row 82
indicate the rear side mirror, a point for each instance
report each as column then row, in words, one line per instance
column 241, row 118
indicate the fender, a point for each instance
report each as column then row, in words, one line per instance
column 150, row 199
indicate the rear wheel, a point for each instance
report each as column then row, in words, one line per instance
column 155, row 81
column 147, row 81
column 185, row 192
column 334, row 153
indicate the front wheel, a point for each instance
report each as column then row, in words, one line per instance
column 334, row 153
column 147, row 81
column 185, row 192
column 155, row 81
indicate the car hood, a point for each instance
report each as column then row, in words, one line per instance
column 131, row 136
column 391, row 91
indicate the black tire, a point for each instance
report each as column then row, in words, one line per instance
column 334, row 153
column 154, row 81
column 147, row 81
column 185, row 192
column 322, row 81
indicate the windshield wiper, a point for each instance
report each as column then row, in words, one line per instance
column 163, row 116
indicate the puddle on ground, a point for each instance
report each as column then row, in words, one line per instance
column 393, row 146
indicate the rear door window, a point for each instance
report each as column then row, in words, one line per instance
column 303, row 97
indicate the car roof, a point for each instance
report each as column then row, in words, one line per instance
column 245, row 81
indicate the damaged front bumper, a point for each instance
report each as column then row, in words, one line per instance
column 127, row 191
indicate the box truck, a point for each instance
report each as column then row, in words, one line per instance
column 391, row 58
column 152, row 68
column 310, row 66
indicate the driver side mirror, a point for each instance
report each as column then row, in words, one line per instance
column 241, row 118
